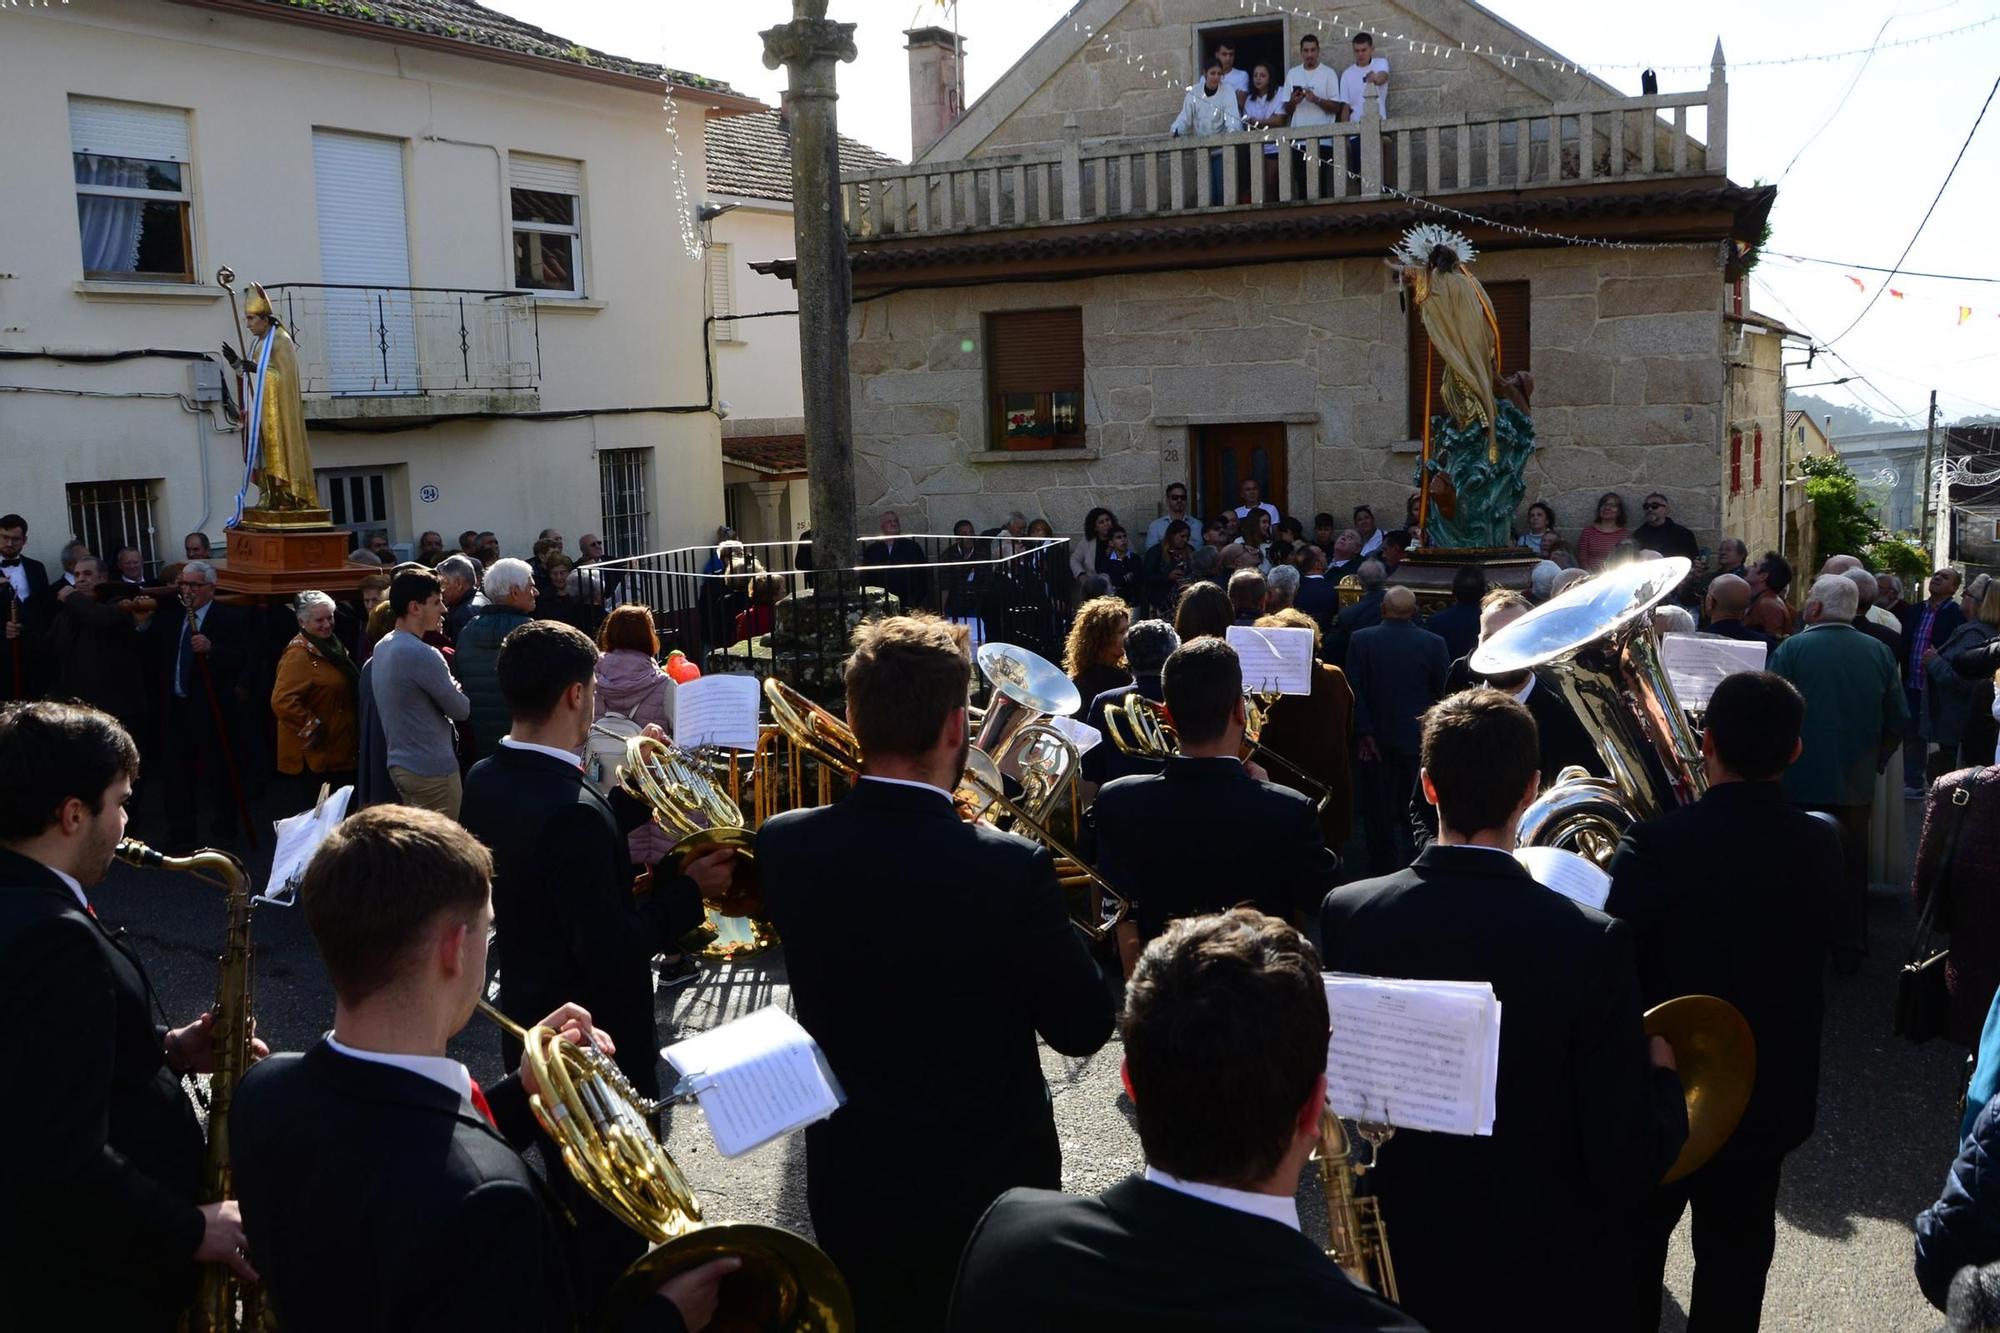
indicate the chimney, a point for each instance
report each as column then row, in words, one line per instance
column 935, row 54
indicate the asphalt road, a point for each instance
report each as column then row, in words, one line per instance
column 1887, row 1113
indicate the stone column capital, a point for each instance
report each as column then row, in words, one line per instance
column 809, row 44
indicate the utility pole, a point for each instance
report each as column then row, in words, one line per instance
column 1924, row 530
column 809, row 47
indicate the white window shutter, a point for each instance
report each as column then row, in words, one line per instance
column 127, row 129
column 721, row 295
column 552, row 175
column 363, row 232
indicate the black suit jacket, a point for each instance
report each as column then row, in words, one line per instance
column 1142, row 1256
column 1584, row 1126
column 1007, row 966
column 566, row 924
column 35, row 615
column 228, row 630
column 1728, row 897
column 1319, row 597
column 1105, row 762
column 377, row 1199
column 104, row 1153
column 1364, row 614
column 1736, row 629
column 1397, row 670
column 1563, row 739
column 1130, row 837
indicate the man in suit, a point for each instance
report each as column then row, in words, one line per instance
column 1366, row 613
column 1890, row 636
column 908, row 580
column 1281, row 864
column 1854, row 722
column 379, row 1147
column 1225, row 1033
column 1741, row 855
column 459, row 577
column 1926, row 627
column 1319, row 593
column 1588, row 1117
column 1014, row 968
column 1148, row 645
column 26, row 609
column 201, row 647
column 1724, row 607
column 1458, row 624
column 1397, row 670
column 105, row 1157
column 94, row 650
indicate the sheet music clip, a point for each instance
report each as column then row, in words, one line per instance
column 686, row 1088
column 285, row 895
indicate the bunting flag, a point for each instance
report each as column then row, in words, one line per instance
column 1859, row 285
column 1964, row 313
column 1896, row 294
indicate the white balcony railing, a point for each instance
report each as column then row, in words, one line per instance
column 358, row 341
column 1565, row 144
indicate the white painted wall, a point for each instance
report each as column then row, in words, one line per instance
column 759, row 373
column 256, row 89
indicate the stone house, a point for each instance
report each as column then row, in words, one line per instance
column 1056, row 305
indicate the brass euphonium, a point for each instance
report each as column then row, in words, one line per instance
column 216, row 1304
column 604, row 1131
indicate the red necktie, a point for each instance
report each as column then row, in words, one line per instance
column 479, row 1105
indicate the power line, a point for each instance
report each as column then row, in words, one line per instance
column 1977, row 121
column 1877, row 268
column 1840, row 106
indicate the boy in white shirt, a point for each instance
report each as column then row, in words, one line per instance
column 1232, row 77
column 1312, row 91
column 1367, row 70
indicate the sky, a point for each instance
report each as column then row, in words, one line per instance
column 1858, row 145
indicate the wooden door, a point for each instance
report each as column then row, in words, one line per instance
column 1228, row 454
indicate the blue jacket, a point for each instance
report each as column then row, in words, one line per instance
column 477, row 660
column 1963, row 1226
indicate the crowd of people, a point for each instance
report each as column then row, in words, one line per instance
column 1385, row 799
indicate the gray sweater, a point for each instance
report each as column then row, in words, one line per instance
column 417, row 701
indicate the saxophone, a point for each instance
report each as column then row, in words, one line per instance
column 1357, row 1239
column 215, row 1308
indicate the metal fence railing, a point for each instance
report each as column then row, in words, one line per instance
column 771, row 612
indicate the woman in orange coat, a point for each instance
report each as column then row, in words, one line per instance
column 315, row 705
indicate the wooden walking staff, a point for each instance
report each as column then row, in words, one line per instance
column 228, row 750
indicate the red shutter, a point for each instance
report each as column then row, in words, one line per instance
column 1757, row 458
column 1736, row 462
column 1034, row 351
column 1510, row 312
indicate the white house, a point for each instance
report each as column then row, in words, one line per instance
column 474, row 229
column 757, row 354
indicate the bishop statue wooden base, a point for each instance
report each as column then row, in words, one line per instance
column 279, row 562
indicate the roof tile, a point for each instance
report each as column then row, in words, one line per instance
column 751, row 156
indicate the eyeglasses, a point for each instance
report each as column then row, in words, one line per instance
column 1654, row 504
column 195, row 584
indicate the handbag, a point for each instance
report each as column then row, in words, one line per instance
column 1923, row 1003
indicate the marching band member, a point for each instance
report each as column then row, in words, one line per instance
column 1206, row 785
column 952, row 1078
column 105, row 1156
column 385, row 1188
column 1536, row 1225
column 566, row 921
column 1225, row 1032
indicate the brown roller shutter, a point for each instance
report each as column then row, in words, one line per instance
column 1034, row 351
column 1510, row 311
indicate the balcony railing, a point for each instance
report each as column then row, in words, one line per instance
column 1565, row 144
column 375, row 342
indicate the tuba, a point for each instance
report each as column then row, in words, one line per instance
column 687, row 803
column 1596, row 642
column 603, row 1128
column 215, row 1308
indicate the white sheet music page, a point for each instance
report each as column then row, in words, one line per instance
column 299, row 837
column 1416, row 1054
column 719, row 710
column 757, row 1078
column 1277, row 660
column 1697, row 663
column 1575, row 877
column 1081, row 734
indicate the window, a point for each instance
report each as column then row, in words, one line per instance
column 621, row 478
column 358, row 499
column 1735, row 461
column 1261, row 43
column 1510, row 311
column 1756, row 458
column 133, row 198
column 721, row 294
column 1034, row 379
column 547, row 198
column 109, row 515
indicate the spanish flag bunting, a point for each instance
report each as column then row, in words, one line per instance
column 1893, row 292
column 1859, row 285
column 1964, row 313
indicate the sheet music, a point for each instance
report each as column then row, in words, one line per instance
column 1081, row 734
column 719, row 710
column 1575, row 877
column 1417, row 1054
column 298, row 838
column 757, row 1078
column 1276, row 660
column 1696, row 663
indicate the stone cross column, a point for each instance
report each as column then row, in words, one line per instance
column 809, row 47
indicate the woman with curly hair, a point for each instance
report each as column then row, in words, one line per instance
column 1094, row 657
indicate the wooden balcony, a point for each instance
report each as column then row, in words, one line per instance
column 1567, row 146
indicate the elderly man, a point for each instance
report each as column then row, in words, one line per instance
column 200, row 647
column 1926, row 626
column 510, row 601
column 1722, row 610
column 1283, row 589
column 1889, row 636
column 1344, row 557
column 1247, row 591
column 430, row 548
column 460, row 576
column 1397, row 671
column 1366, row 612
column 94, row 646
column 1855, row 713
column 904, row 575
column 1319, row 591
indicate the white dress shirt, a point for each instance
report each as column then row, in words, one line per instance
column 17, row 574
column 567, row 756
column 1275, row 1207
column 75, row 886
column 439, row 1069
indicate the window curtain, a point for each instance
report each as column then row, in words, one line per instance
column 110, row 225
